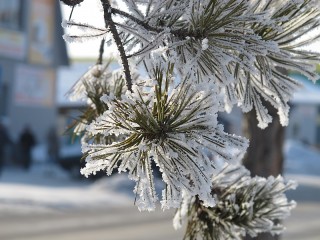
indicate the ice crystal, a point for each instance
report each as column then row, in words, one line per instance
column 245, row 205
column 174, row 127
column 88, row 31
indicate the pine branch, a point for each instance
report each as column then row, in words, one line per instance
column 245, row 206
column 170, row 119
column 95, row 83
column 109, row 23
column 136, row 20
column 180, row 33
column 171, row 127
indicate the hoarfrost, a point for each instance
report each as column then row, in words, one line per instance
column 178, row 144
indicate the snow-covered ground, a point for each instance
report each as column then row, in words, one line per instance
column 48, row 188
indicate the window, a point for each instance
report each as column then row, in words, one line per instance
column 10, row 14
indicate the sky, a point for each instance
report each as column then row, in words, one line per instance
column 89, row 12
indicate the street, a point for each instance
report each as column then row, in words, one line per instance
column 114, row 224
column 48, row 205
column 127, row 223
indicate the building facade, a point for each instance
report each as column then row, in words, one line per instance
column 31, row 50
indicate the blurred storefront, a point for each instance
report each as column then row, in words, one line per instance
column 31, row 50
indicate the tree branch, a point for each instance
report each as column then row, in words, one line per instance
column 136, row 20
column 181, row 33
column 101, row 50
column 107, row 10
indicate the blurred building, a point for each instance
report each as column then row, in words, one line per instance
column 31, row 50
column 304, row 124
column 69, row 111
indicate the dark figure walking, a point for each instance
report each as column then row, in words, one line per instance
column 53, row 145
column 27, row 142
column 4, row 141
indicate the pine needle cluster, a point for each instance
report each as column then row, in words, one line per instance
column 245, row 205
column 174, row 127
column 91, row 86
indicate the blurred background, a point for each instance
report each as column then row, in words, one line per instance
column 43, row 196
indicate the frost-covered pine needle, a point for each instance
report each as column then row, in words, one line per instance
column 95, row 83
column 244, row 205
column 288, row 25
column 87, row 31
column 246, row 47
column 174, row 127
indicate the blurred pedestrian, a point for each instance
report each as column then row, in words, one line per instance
column 27, row 142
column 53, row 145
column 4, row 141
